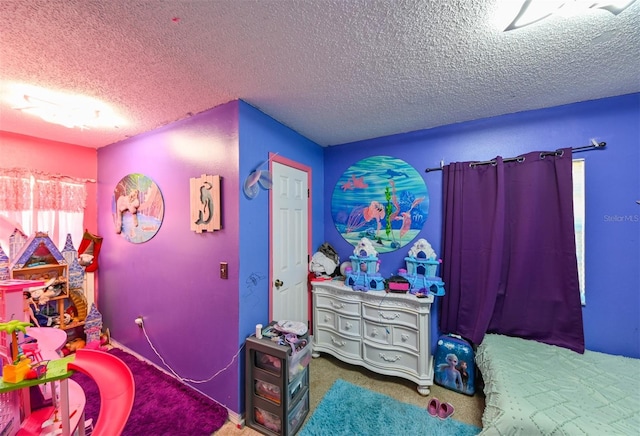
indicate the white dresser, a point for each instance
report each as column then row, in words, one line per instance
column 387, row 333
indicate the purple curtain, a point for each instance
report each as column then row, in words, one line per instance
column 509, row 254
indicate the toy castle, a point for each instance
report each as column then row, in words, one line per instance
column 422, row 268
column 363, row 274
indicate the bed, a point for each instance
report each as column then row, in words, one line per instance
column 533, row 388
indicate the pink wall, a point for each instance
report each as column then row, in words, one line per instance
column 20, row 151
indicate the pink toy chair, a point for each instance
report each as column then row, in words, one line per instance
column 116, row 387
column 31, row 350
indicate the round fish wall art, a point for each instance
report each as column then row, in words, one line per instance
column 137, row 208
column 383, row 199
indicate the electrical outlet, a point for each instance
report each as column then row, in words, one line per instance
column 224, row 270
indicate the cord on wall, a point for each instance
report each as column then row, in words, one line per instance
column 139, row 321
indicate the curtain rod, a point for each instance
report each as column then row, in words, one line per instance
column 21, row 172
column 593, row 145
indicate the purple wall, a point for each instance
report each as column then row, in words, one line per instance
column 172, row 280
column 612, row 311
column 260, row 135
column 197, row 321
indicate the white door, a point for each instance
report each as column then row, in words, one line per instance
column 289, row 244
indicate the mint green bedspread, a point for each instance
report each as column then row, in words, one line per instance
column 537, row 389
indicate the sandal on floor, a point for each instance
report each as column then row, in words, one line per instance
column 445, row 410
column 433, row 406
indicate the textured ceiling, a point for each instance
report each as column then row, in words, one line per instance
column 336, row 71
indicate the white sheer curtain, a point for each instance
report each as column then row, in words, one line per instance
column 58, row 224
column 42, row 202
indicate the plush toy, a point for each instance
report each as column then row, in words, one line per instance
column 75, row 345
column 89, row 250
column 52, row 289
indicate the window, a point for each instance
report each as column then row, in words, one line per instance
column 578, row 216
column 40, row 202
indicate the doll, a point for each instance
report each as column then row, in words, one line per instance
column 30, row 309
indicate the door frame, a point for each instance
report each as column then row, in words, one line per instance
column 275, row 157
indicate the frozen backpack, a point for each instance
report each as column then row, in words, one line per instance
column 454, row 364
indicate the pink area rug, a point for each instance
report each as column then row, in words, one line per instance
column 162, row 406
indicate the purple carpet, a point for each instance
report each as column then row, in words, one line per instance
column 162, row 406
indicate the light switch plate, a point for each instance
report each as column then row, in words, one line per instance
column 224, row 270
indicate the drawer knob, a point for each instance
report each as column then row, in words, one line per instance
column 389, row 317
column 348, row 326
column 389, row 359
column 337, row 306
column 404, row 337
column 374, row 332
column 327, row 318
column 338, row 343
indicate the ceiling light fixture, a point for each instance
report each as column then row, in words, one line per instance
column 533, row 11
column 57, row 114
column 63, row 109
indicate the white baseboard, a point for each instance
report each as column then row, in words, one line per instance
column 235, row 418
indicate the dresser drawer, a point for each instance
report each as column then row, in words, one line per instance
column 349, row 326
column 343, row 324
column 326, row 319
column 390, row 358
column 406, row 338
column 389, row 334
column 377, row 332
column 338, row 305
column 347, row 347
column 390, row 316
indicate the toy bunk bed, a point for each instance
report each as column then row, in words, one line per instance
column 535, row 388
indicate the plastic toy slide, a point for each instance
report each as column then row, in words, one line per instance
column 115, row 384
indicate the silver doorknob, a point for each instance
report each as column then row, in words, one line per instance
column 279, row 283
